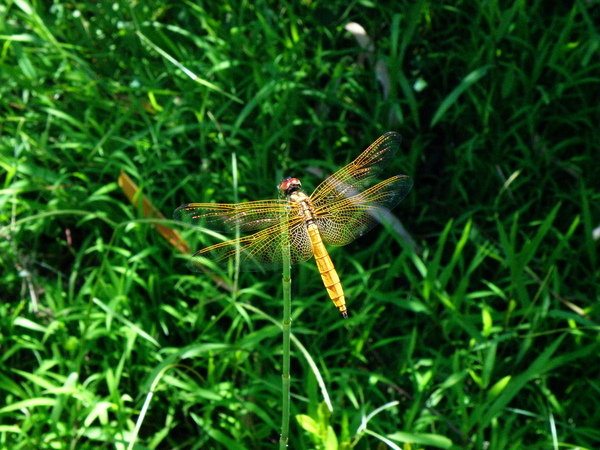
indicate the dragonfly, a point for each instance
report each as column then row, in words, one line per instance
column 342, row 208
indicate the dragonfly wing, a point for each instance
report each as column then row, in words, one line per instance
column 261, row 251
column 344, row 210
column 300, row 245
column 347, row 219
column 245, row 217
column 359, row 174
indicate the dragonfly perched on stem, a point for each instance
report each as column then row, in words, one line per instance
column 342, row 208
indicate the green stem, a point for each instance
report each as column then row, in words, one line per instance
column 287, row 325
column 236, row 272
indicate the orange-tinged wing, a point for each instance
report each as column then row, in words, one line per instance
column 259, row 251
column 349, row 218
column 347, row 208
column 359, row 174
column 249, row 216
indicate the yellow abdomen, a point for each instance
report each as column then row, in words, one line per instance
column 331, row 280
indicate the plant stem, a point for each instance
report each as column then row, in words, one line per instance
column 287, row 324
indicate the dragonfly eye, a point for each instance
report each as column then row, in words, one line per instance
column 290, row 185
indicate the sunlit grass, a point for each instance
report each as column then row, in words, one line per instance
column 480, row 333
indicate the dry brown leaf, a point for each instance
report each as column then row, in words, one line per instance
column 150, row 212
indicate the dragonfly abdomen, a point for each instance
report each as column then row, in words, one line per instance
column 329, row 275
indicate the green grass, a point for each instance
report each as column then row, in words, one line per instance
column 484, row 334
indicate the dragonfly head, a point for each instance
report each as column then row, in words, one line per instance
column 289, row 185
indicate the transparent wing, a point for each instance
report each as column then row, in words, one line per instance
column 349, row 218
column 259, row 251
column 359, row 174
column 247, row 217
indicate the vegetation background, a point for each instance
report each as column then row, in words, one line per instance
column 483, row 334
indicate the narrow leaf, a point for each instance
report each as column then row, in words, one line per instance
column 465, row 84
